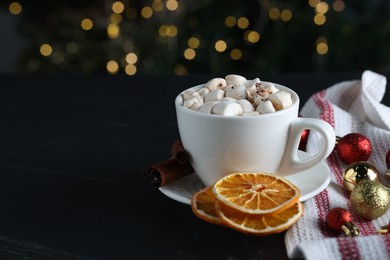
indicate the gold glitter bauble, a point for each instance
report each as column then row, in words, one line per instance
column 358, row 171
column 370, row 199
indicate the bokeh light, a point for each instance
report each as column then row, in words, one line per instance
column 338, row 5
column 15, row 8
column 113, row 30
column 220, row 46
column 319, row 19
column 130, row 69
column 172, row 5
column 322, row 8
column 46, row 49
column 131, row 58
column 193, row 42
column 86, row 24
column 230, row 21
column 189, row 54
column 147, row 12
column 242, row 22
column 286, row 15
column 236, row 54
column 118, row 7
column 180, row 70
column 112, row 67
column 274, row 13
column 322, row 48
column 252, row 36
column 157, row 6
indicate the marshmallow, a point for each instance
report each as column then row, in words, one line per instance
column 245, row 105
column 253, row 113
column 214, row 95
column 208, row 107
column 233, row 79
column 227, row 99
column 216, row 83
column 281, row 99
column 227, row 109
column 193, row 103
column 203, row 91
column 188, row 94
column 235, row 95
column 251, row 86
column 236, row 91
column 258, row 99
column 265, row 107
column 267, row 87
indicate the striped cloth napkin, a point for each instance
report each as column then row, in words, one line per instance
column 350, row 107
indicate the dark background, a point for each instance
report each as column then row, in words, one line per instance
column 355, row 35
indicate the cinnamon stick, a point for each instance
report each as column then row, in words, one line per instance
column 167, row 171
column 164, row 172
column 178, row 151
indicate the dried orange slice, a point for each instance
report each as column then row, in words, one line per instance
column 256, row 193
column 203, row 205
column 260, row 224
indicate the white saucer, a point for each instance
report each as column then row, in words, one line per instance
column 310, row 182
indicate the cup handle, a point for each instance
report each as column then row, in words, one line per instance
column 291, row 163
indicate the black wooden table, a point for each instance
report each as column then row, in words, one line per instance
column 72, row 153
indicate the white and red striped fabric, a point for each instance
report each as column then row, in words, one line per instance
column 350, row 107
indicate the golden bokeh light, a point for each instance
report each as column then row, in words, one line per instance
column 242, row 22
column 163, row 30
column 46, row 49
column 322, row 8
column 131, row 58
column 118, row 7
column 86, row 24
column 157, row 6
column 338, row 5
column 322, row 48
column 112, row 67
column 180, row 70
column 252, row 36
column 172, row 5
column 172, row 31
column 286, row 15
column 15, row 8
column 147, row 12
column 167, row 30
column 274, row 13
column 236, row 54
column 189, row 54
column 220, row 46
column 230, row 21
column 113, row 30
column 193, row 42
column 130, row 69
column 319, row 19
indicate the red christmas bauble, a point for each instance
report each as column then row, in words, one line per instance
column 337, row 217
column 388, row 159
column 354, row 147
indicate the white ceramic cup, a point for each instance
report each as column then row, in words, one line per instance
column 218, row 145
